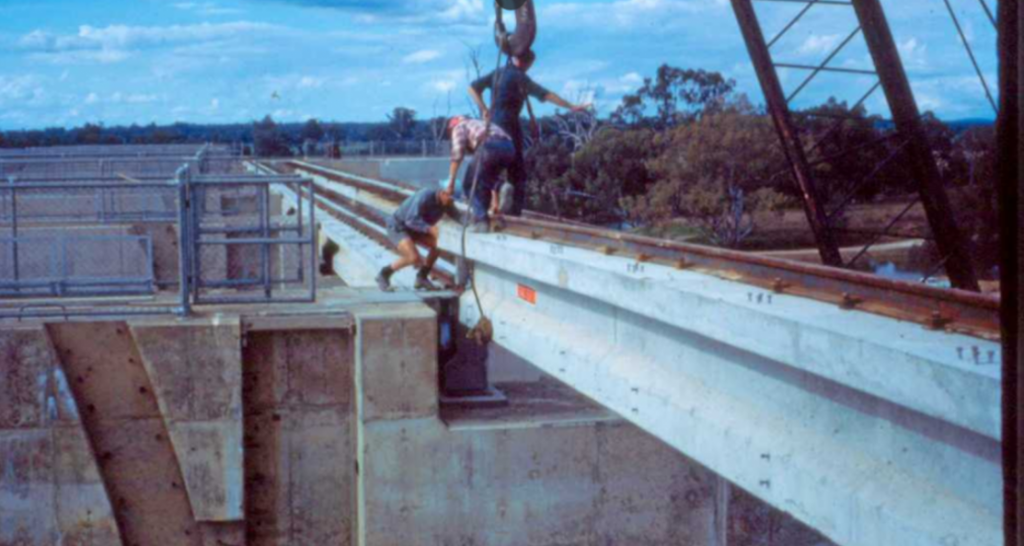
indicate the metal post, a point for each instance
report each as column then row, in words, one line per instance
column 313, row 239
column 196, row 205
column 14, row 231
column 788, row 136
column 184, row 243
column 907, row 119
column 265, row 232
column 299, row 215
column 1009, row 135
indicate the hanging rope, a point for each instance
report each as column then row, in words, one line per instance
column 483, row 330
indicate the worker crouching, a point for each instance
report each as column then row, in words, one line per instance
column 415, row 222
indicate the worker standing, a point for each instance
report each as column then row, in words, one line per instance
column 510, row 94
column 493, row 153
column 415, row 222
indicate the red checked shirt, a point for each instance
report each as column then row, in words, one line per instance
column 469, row 135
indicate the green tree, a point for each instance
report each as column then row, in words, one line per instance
column 312, row 131
column 674, row 95
column 89, row 134
column 402, row 122
column 714, row 171
column 608, row 168
column 844, row 146
column 268, row 139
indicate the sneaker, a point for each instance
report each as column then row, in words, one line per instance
column 423, row 283
column 383, row 283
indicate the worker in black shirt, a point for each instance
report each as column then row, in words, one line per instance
column 513, row 88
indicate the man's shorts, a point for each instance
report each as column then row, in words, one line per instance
column 395, row 233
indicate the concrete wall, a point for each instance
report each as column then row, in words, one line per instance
column 293, row 429
column 584, row 483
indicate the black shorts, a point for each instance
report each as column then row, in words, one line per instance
column 397, row 234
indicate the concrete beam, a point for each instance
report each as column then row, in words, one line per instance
column 859, row 468
column 900, row 362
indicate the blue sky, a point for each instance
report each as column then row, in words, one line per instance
column 66, row 62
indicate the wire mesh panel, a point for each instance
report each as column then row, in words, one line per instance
column 253, row 239
column 74, row 264
column 88, row 242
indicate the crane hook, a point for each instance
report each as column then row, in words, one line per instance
column 521, row 39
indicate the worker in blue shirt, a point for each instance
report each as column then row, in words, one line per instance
column 512, row 89
column 415, row 222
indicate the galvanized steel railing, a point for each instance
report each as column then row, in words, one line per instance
column 108, row 243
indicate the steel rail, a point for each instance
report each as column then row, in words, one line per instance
column 955, row 310
column 369, row 215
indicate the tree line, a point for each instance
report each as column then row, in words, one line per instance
column 688, row 154
column 683, row 154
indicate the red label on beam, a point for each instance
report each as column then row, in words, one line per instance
column 527, row 294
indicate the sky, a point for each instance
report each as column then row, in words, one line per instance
column 67, row 62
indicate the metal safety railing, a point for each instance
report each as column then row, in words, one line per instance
column 244, row 245
column 116, row 246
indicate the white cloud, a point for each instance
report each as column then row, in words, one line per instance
column 443, row 86
column 206, row 8
column 627, row 14
column 115, row 43
column 309, row 82
column 92, row 98
column 422, row 56
column 632, row 78
column 819, row 44
column 25, row 89
column 138, row 98
column 913, row 53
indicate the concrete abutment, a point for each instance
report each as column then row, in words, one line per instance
column 314, row 425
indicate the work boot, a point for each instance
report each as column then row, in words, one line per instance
column 423, row 283
column 383, row 282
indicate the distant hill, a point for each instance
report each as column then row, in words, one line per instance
column 968, row 123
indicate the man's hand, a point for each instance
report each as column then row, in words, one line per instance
column 582, row 107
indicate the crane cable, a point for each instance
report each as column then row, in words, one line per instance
column 483, row 330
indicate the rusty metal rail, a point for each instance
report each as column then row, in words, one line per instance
column 949, row 309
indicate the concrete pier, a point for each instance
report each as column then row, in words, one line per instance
column 314, row 424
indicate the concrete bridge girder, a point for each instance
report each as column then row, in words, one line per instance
column 849, row 421
column 869, row 429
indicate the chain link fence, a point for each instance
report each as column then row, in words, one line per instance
column 254, row 239
column 149, row 235
column 62, row 241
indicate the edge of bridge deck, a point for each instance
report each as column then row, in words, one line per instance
column 937, row 308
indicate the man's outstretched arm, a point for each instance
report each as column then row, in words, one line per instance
column 559, row 101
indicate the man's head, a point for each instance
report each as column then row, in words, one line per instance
column 524, row 61
column 444, row 196
column 452, row 124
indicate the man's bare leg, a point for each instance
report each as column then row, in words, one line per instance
column 407, row 255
